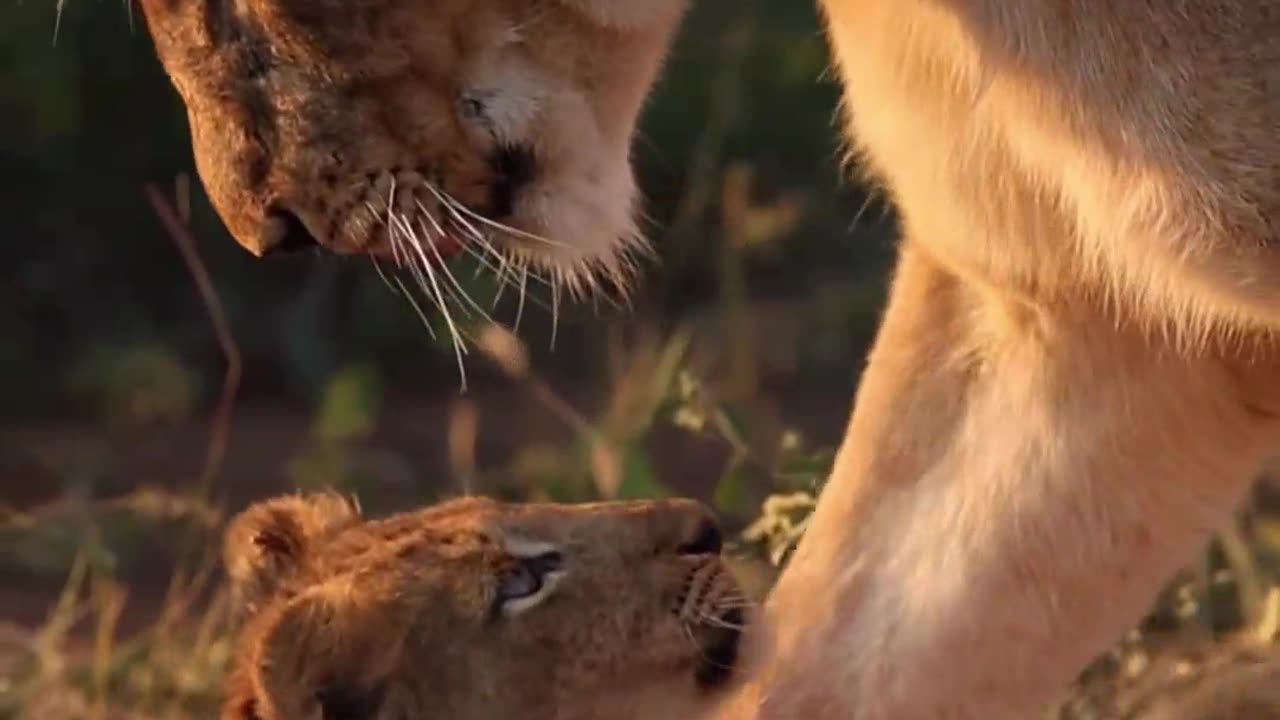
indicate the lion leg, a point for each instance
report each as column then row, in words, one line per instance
column 1015, row 484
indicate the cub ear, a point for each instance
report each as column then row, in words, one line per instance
column 326, row 653
column 267, row 543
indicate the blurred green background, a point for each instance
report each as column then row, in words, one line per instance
column 125, row 440
column 107, row 341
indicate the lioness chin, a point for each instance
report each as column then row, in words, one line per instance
column 1077, row 371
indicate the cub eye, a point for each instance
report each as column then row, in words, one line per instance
column 528, row 580
column 518, row 581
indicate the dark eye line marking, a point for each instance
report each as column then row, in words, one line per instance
column 546, row 562
column 538, row 566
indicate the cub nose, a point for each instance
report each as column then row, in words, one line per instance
column 704, row 538
column 284, row 234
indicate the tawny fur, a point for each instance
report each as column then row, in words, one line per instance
column 401, row 617
column 342, row 114
column 1076, row 374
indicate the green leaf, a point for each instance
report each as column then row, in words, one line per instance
column 639, row 479
column 731, row 493
column 350, row 404
column 138, row 383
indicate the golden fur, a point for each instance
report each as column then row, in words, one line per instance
column 420, row 124
column 473, row 609
column 1076, row 374
column 1075, row 377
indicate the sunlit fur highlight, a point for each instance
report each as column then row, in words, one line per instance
column 406, row 616
column 407, row 129
column 1076, row 375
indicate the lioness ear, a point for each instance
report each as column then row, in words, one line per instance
column 267, row 543
column 326, row 654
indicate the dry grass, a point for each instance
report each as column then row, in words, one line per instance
column 79, row 664
column 82, row 662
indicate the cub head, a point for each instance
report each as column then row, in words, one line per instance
column 419, row 127
column 474, row 609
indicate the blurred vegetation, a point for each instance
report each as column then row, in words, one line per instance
column 154, row 377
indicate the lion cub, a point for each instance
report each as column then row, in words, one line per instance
column 478, row 609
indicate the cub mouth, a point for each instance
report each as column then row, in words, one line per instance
column 719, row 639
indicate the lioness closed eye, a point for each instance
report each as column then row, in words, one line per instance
column 477, row 609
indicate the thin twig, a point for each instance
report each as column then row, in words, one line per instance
column 147, row 502
column 220, row 432
column 723, row 110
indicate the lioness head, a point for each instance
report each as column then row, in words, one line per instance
column 477, row 609
column 429, row 124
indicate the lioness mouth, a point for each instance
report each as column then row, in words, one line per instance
column 720, row 649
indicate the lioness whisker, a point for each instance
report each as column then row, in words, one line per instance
column 417, row 308
column 555, row 314
column 458, row 217
column 377, row 266
column 417, row 243
column 455, row 337
column 524, row 277
column 444, row 267
column 474, row 236
column 446, row 200
column 400, row 235
column 444, row 291
column 391, row 201
column 459, row 348
column 501, row 273
column 395, row 247
column 507, row 273
column 488, row 248
column 395, row 241
column 407, row 250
